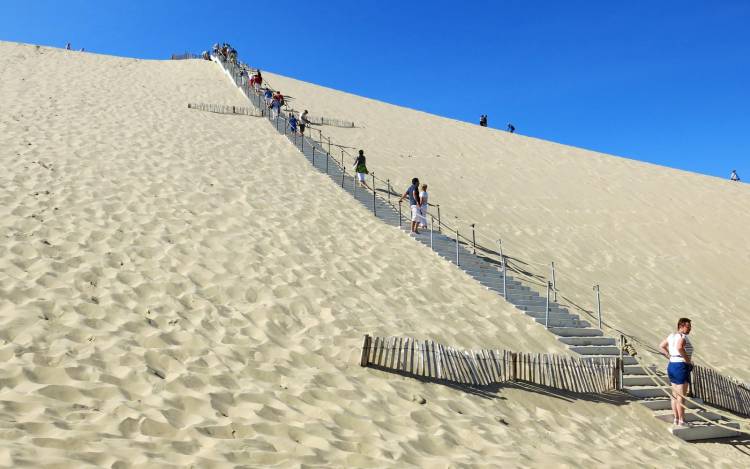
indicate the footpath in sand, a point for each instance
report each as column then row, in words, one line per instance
column 179, row 288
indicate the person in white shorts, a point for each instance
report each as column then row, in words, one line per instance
column 414, row 202
column 360, row 167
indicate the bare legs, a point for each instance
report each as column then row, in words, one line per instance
column 678, row 402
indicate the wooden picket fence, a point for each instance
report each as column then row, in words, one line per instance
column 186, row 56
column 721, row 391
column 224, row 109
column 483, row 367
column 320, row 120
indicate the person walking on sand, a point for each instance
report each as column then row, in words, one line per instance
column 293, row 123
column 68, row 46
column 511, row 128
column 679, row 350
column 414, row 202
column 483, row 120
column 734, row 177
column 360, row 167
column 424, row 206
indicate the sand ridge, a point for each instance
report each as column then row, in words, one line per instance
column 180, row 289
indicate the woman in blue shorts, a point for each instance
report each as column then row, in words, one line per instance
column 679, row 350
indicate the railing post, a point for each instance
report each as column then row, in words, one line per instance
column 598, row 305
column 313, row 155
column 546, row 309
column 365, row 351
column 329, row 145
column 457, row 258
column 399, row 213
column 432, row 227
column 342, row 156
column 326, row 160
column 302, row 146
column 374, row 212
column 505, row 276
column 473, row 239
column 440, row 225
column 554, row 284
column 343, row 173
column 389, row 191
column 621, row 367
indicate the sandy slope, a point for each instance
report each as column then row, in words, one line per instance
column 179, row 289
column 662, row 243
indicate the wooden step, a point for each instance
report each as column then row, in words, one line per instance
column 588, row 340
column 596, row 350
column 576, row 331
column 705, row 431
column 644, row 392
column 663, row 403
column 690, row 416
column 638, row 380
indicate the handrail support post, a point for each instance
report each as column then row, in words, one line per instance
column 474, row 239
column 554, row 283
column 598, row 305
column 457, row 256
column 546, row 309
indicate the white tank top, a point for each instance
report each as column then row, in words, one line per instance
column 674, row 354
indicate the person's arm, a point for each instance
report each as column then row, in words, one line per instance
column 681, row 349
column 417, row 198
column 664, row 347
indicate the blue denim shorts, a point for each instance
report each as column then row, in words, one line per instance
column 679, row 372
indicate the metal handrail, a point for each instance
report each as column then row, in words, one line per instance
column 453, row 230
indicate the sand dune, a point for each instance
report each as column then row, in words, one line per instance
column 180, row 289
column 662, row 243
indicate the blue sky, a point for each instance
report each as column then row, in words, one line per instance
column 665, row 82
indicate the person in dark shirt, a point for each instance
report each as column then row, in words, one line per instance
column 511, row 128
column 414, row 202
column 483, row 120
column 360, row 167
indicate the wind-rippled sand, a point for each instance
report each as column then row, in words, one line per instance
column 180, row 289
